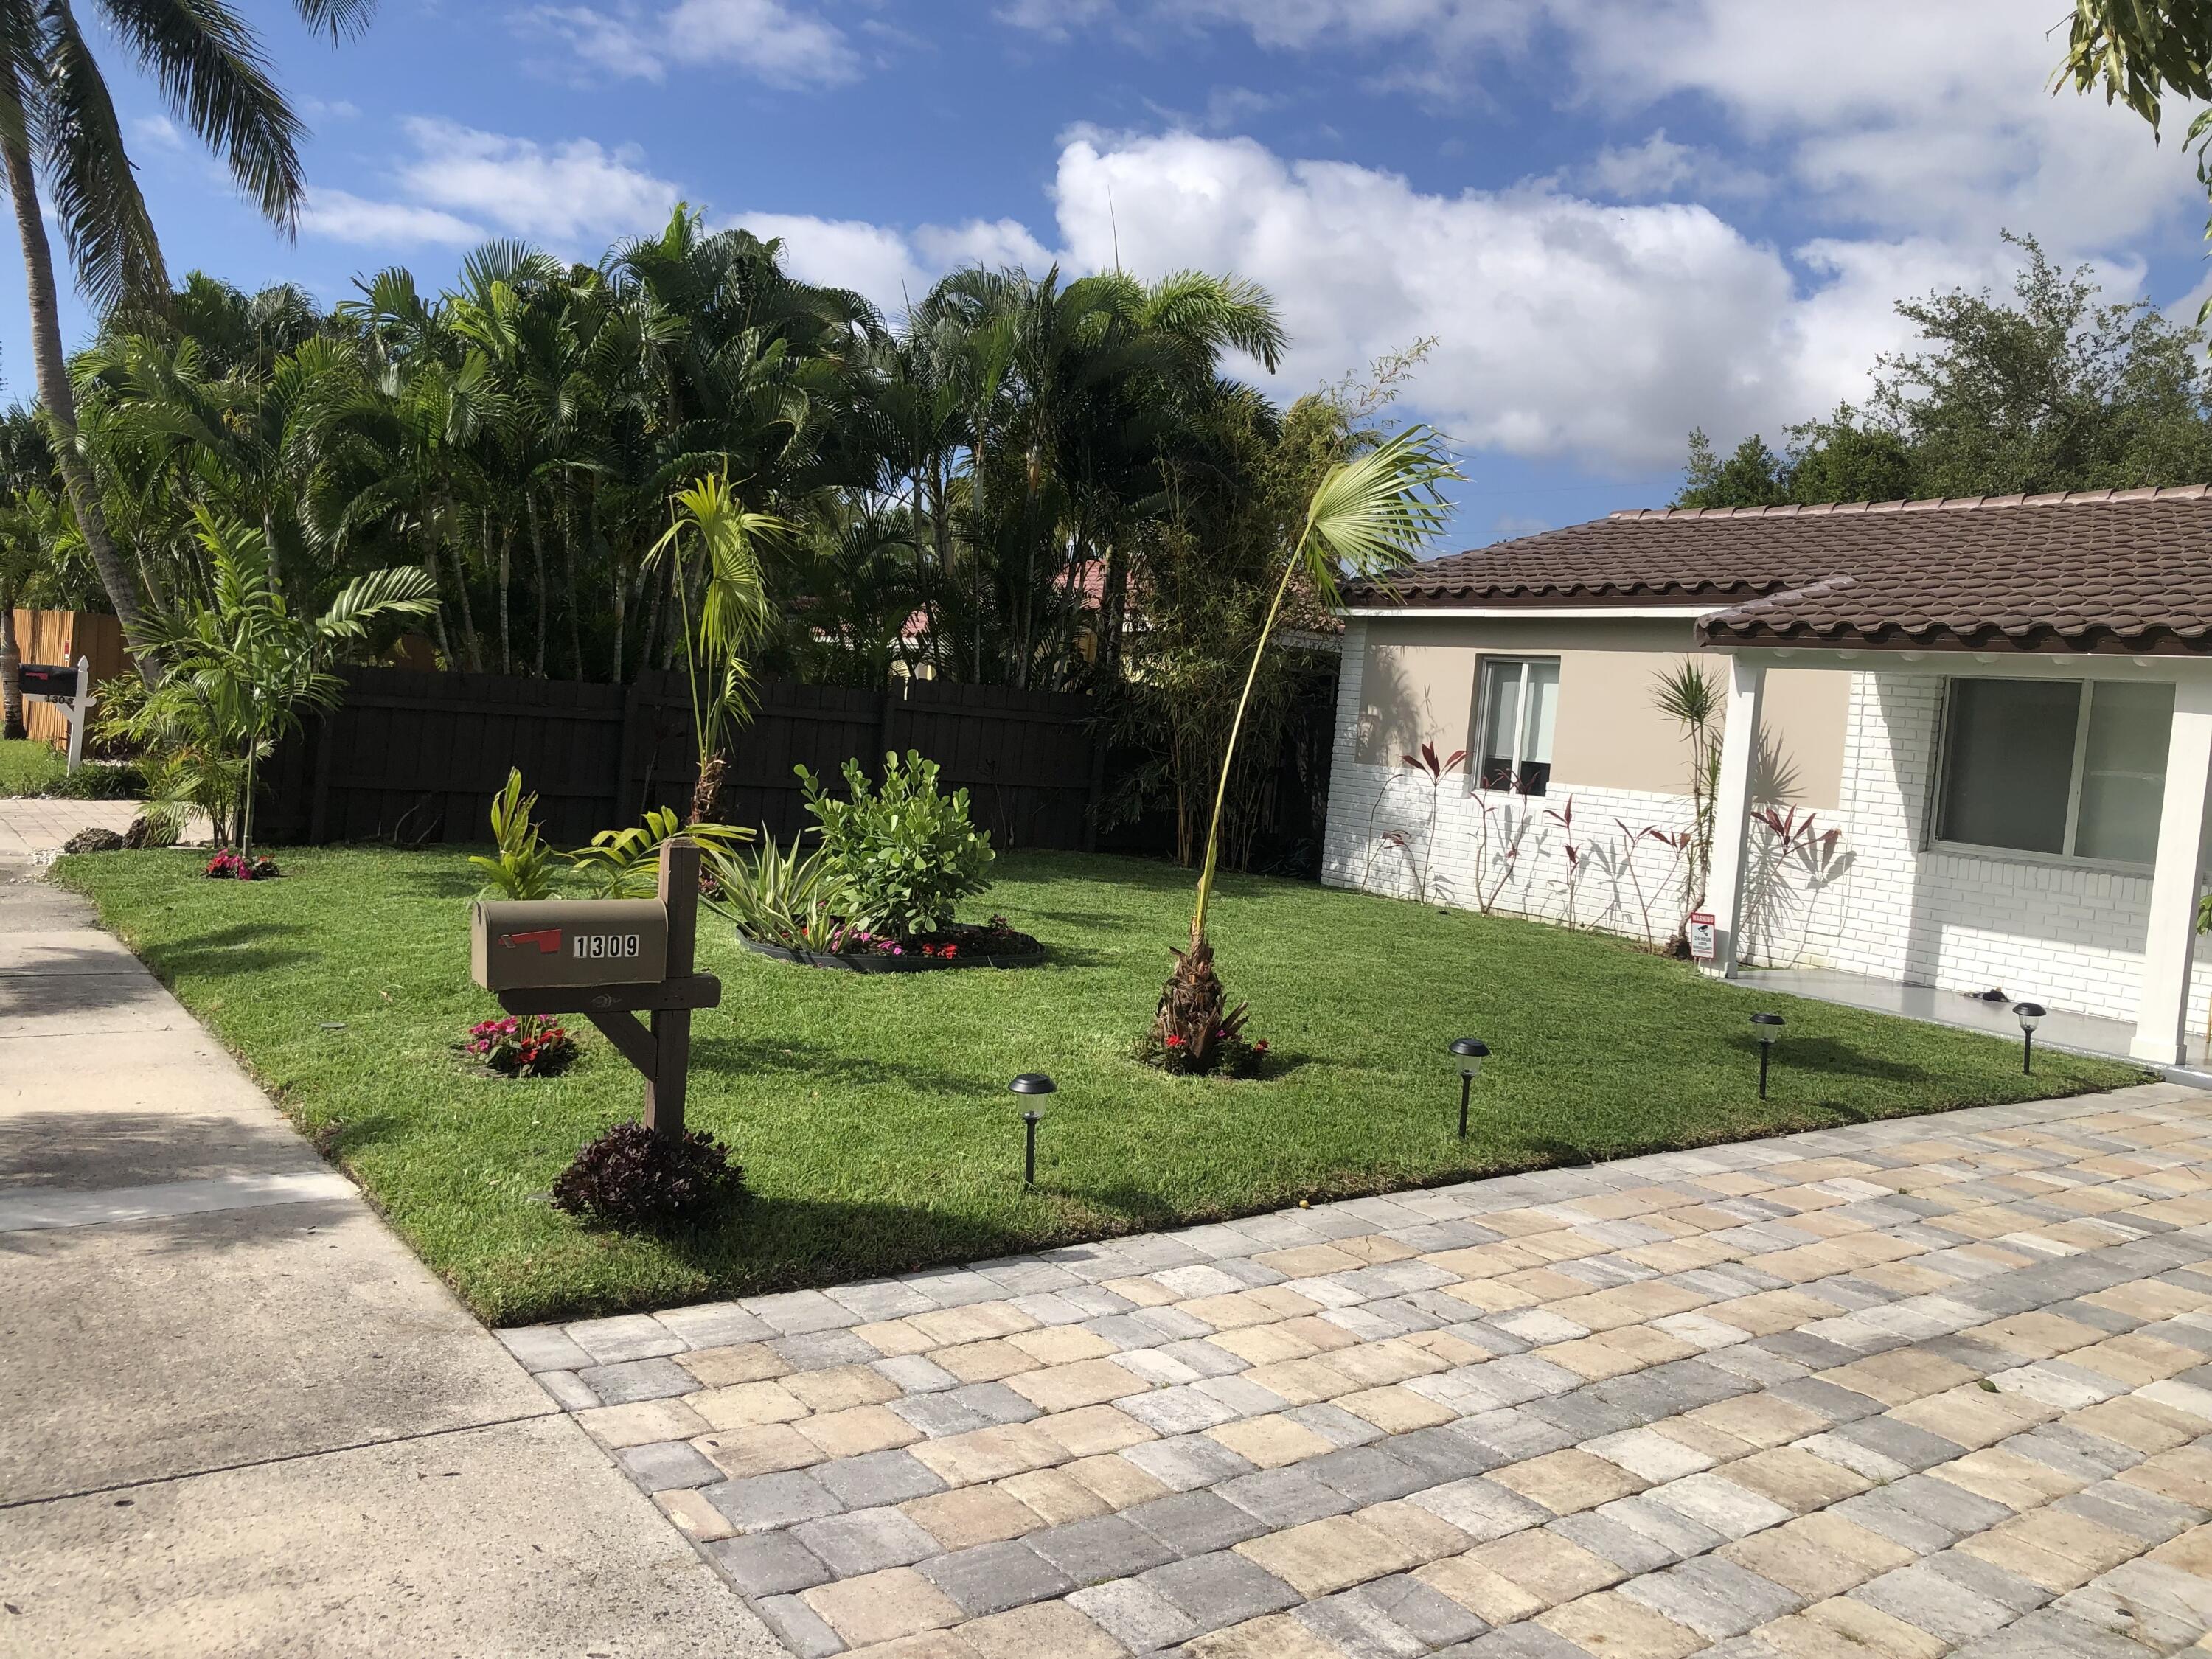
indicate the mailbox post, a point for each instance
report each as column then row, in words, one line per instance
column 69, row 690
column 610, row 960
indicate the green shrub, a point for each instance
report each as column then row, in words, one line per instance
column 626, row 863
column 907, row 852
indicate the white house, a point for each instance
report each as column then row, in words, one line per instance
column 1967, row 742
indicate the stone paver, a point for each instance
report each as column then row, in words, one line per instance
column 1922, row 1386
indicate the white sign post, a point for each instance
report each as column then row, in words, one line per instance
column 1698, row 929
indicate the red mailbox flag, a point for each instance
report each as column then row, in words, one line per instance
column 548, row 941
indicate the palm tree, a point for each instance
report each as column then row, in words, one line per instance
column 712, row 529
column 243, row 668
column 27, row 468
column 57, row 122
column 1370, row 516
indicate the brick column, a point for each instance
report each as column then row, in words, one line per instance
column 1732, row 810
column 2170, row 937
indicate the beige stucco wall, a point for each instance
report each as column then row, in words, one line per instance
column 1420, row 680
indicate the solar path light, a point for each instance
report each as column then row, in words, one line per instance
column 1031, row 1082
column 1769, row 1030
column 1470, row 1052
column 2031, row 1016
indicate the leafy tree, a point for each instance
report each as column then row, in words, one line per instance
column 1752, row 476
column 2050, row 388
column 2142, row 53
column 58, row 122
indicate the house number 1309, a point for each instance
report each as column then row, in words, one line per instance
column 599, row 947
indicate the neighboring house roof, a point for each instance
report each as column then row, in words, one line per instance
column 2127, row 571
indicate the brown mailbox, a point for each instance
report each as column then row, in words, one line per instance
column 520, row 945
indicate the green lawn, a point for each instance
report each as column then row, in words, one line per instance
column 33, row 768
column 871, row 1112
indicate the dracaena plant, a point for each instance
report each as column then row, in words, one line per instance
column 1433, row 770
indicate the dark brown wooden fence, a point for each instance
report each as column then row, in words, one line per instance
column 415, row 758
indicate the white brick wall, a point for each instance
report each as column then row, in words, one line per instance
column 1884, row 904
column 1619, row 879
column 2063, row 935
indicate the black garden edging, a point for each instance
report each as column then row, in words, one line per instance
column 878, row 962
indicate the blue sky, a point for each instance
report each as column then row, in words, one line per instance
column 1618, row 218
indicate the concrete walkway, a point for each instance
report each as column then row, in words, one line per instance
column 237, row 1416
column 1909, row 1388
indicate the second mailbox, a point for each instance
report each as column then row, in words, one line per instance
column 526, row 944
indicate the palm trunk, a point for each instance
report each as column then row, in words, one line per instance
column 11, row 672
column 468, row 610
column 538, row 569
column 60, row 400
column 506, row 575
column 567, row 525
column 433, row 563
column 1229, row 760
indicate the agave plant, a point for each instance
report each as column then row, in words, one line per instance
column 1369, row 515
column 788, row 897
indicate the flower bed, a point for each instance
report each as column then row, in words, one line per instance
column 963, row 944
column 227, row 866
column 521, row 1045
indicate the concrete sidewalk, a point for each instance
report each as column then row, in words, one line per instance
column 241, row 1417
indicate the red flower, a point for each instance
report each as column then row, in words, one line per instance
column 1175, row 1042
column 1261, row 1047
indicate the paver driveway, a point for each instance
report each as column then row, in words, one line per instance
column 1905, row 1389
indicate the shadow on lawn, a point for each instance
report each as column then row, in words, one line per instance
column 769, row 1244
column 1830, row 1058
column 773, row 1056
column 245, row 947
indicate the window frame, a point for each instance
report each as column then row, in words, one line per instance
column 1941, row 779
column 1483, row 662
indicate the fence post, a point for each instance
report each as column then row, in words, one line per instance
column 318, row 796
column 1095, row 799
column 626, row 755
column 894, row 695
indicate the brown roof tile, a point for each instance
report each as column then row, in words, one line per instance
column 2127, row 570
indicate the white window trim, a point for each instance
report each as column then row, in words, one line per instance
column 1482, row 666
column 2063, row 860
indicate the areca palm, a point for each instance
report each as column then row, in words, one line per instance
column 711, row 531
column 1369, row 515
column 241, row 669
column 58, row 124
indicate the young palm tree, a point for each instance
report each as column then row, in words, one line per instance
column 1369, row 515
column 243, row 668
column 58, row 122
column 712, row 529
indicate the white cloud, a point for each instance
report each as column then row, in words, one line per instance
column 576, row 194
column 768, row 39
column 1908, row 117
column 158, row 130
column 1659, row 167
column 889, row 265
column 345, row 218
column 1566, row 328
